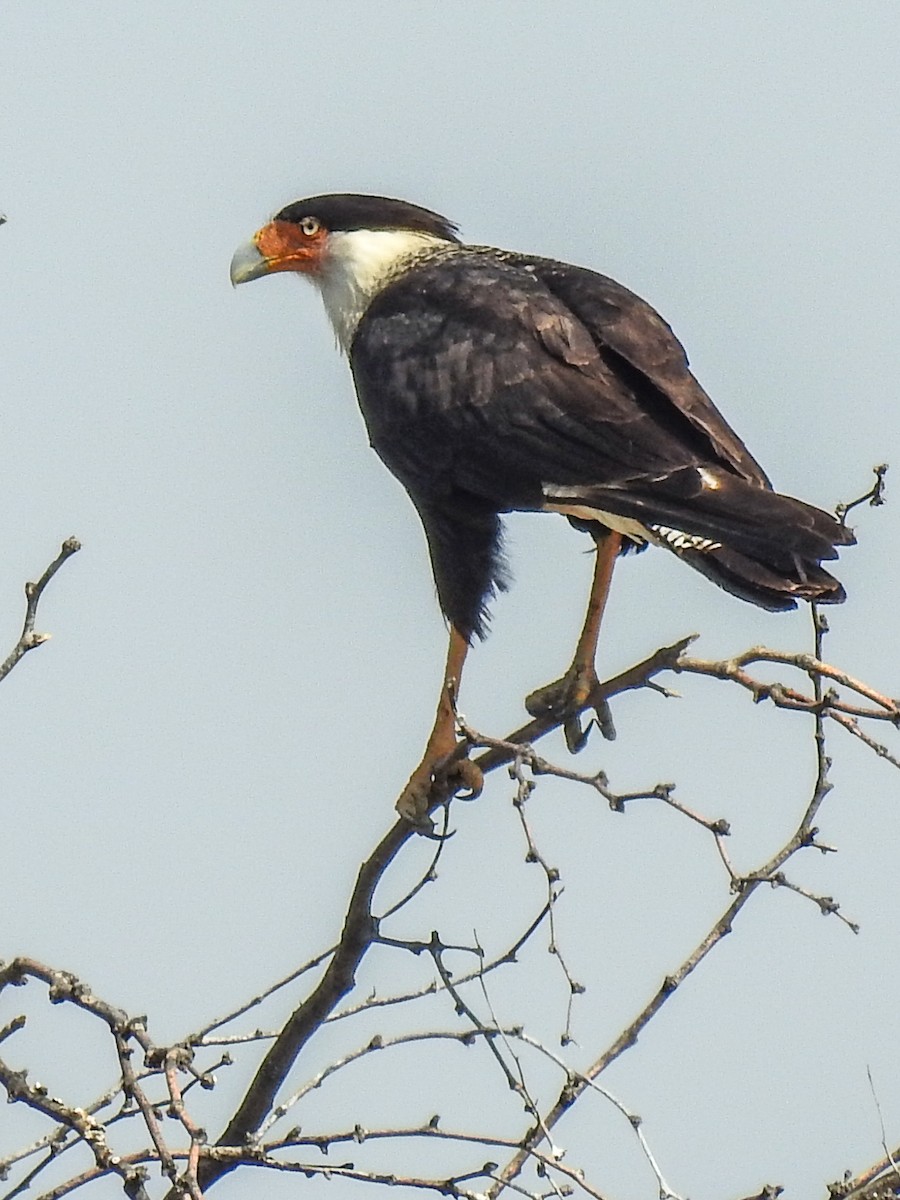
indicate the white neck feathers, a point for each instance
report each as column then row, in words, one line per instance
column 357, row 265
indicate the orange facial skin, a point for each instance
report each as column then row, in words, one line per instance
column 285, row 246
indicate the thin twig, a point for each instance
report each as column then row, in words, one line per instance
column 875, row 495
column 746, row 886
column 435, row 985
column 201, row 1036
column 176, row 1060
column 373, row 1046
column 28, row 639
column 524, row 788
column 93, row 1133
column 132, row 1090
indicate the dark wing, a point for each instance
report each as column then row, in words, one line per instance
column 627, row 328
column 473, row 374
column 774, row 541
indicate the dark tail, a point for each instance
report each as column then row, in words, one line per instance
column 755, row 543
column 759, row 582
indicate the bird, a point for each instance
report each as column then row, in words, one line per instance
column 492, row 381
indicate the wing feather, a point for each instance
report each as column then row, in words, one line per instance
column 632, row 330
column 472, row 372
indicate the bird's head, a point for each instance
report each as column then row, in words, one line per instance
column 310, row 236
column 350, row 246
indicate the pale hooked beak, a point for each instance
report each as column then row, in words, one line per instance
column 248, row 264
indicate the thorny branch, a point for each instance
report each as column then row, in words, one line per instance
column 204, row 1163
column 153, row 1091
column 361, row 925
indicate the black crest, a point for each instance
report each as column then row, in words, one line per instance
column 346, row 211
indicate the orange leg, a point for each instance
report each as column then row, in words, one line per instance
column 567, row 697
column 607, row 552
column 427, row 783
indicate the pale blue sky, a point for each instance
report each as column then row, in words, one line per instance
column 245, row 654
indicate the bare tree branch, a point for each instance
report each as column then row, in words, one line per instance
column 157, row 1089
column 28, row 639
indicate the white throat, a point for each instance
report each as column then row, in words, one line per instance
column 359, row 263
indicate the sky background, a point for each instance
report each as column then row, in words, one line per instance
column 245, row 654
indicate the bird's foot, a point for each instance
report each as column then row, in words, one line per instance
column 433, row 782
column 567, row 698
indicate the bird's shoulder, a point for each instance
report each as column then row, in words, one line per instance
column 464, row 281
column 469, row 303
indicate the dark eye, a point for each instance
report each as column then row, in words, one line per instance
column 310, row 226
